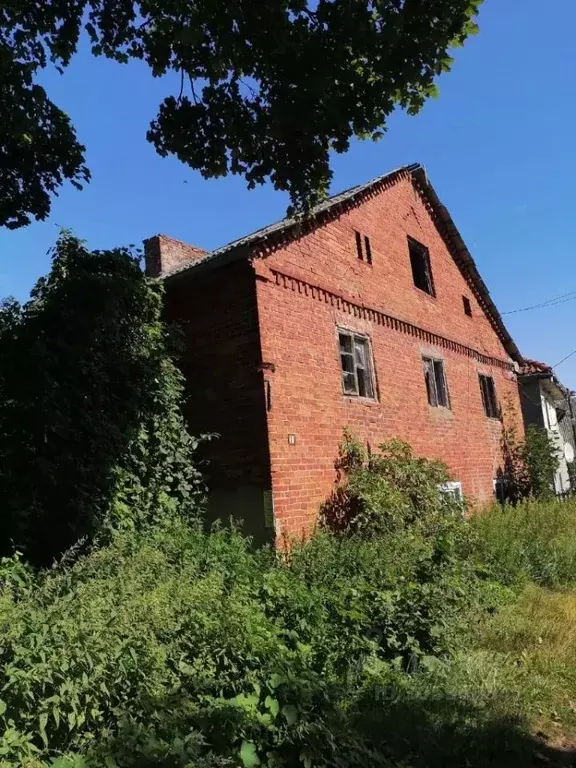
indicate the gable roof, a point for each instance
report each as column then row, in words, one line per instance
column 263, row 240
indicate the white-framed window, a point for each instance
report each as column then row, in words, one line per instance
column 356, row 364
column 453, row 490
column 500, row 489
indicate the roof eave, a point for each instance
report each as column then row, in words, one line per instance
column 467, row 265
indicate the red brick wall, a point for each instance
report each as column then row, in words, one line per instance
column 216, row 310
column 298, row 335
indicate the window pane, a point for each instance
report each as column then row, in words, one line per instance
column 482, row 380
column 360, row 356
column 346, row 342
column 441, row 389
column 488, row 396
column 492, row 397
column 347, row 362
column 430, row 381
column 361, row 376
column 349, row 381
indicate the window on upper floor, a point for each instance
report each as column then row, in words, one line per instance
column 356, row 363
column 363, row 248
column 436, row 386
column 467, row 306
column 489, row 400
column 421, row 269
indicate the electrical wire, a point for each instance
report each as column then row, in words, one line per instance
column 550, row 303
column 564, row 359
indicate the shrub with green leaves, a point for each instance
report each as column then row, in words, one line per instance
column 91, row 433
column 181, row 648
column 385, row 491
column 529, row 464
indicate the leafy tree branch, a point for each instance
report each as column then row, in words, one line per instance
column 320, row 74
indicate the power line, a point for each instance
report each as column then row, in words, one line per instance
column 550, row 303
column 564, row 359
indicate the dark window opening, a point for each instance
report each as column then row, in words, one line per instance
column 359, row 246
column 489, row 400
column 363, row 248
column 368, row 249
column 501, row 490
column 435, row 379
column 421, row 270
column 357, row 378
column 467, row 306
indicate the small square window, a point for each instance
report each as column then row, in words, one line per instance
column 467, row 306
column 488, row 391
column 356, row 363
column 436, row 386
column 421, row 270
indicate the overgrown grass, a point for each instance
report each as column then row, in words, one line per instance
column 436, row 644
column 536, row 634
column 507, row 697
column 532, row 542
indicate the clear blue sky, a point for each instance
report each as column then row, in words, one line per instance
column 498, row 144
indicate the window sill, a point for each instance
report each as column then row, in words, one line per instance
column 441, row 412
column 422, row 292
column 361, row 400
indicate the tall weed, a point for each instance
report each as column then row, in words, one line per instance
column 532, row 541
column 180, row 648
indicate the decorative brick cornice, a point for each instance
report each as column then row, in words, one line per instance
column 378, row 317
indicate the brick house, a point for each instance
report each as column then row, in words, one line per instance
column 371, row 315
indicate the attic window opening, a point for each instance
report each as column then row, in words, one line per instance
column 467, row 306
column 356, row 364
column 436, row 386
column 488, row 392
column 421, row 269
column 363, row 247
column 368, row 249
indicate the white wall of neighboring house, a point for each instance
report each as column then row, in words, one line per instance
column 561, row 478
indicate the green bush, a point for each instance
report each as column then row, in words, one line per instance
column 91, row 432
column 179, row 648
column 532, row 541
column 382, row 492
column 529, row 464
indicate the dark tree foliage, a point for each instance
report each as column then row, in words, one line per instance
column 91, row 433
column 266, row 90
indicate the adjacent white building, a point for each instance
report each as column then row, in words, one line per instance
column 546, row 403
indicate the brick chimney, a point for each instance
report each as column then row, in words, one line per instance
column 163, row 253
